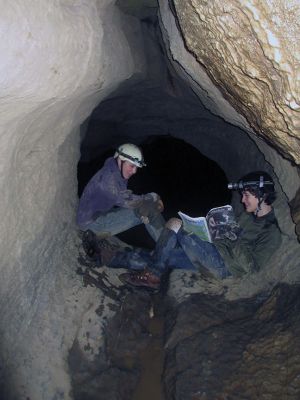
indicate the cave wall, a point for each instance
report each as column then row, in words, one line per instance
column 58, row 60
column 249, row 45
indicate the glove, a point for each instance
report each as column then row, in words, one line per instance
column 156, row 199
column 147, row 210
column 152, row 196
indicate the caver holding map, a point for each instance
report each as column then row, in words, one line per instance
column 257, row 241
column 259, row 238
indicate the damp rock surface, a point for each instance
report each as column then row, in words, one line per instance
column 218, row 341
column 243, row 350
column 106, row 356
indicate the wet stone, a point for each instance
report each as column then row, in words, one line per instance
column 238, row 350
column 115, row 371
column 211, row 348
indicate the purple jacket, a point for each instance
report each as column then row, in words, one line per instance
column 106, row 189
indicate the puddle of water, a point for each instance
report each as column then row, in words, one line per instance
column 152, row 358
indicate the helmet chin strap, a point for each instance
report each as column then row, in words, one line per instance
column 121, row 168
column 258, row 208
column 260, row 201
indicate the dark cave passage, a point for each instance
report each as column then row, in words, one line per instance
column 185, row 179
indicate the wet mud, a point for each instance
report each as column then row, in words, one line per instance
column 204, row 348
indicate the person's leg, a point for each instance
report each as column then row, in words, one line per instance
column 203, row 253
column 156, row 225
column 114, row 221
column 134, row 259
column 157, row 260
column 121, row 219
column 168, row 255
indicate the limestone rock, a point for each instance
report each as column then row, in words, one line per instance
column 238, row 350
column 58, row 60
column 250, row 51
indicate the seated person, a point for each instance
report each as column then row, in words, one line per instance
column 107, row 207
column 259, row 238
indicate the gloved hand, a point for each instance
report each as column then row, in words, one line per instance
column 156, row 199
column 148, row 208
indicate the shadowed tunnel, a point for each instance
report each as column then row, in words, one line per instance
column 184, row 178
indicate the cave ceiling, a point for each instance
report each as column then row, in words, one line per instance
column 250, row 51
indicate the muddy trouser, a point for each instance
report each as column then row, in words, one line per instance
column 157, row 260
column 187, row 251
column 202, row 254
column 174, row 251
column 120, row 219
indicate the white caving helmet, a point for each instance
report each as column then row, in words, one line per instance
column 132, row 153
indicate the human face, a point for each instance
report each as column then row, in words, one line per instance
column 250, row 201
column 128, row 169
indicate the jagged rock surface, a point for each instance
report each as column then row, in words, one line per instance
column 250, row 50
column 234, row 350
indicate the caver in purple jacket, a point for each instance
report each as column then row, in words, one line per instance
column 105, row 190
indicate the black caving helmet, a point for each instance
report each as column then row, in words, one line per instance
column 259, row 183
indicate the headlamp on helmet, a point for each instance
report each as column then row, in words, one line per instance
column 259, row 183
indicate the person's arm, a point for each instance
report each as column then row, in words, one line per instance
column 115, row 189
column 144, row 202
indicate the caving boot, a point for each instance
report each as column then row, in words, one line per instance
column 143, row 278
column 98, row 250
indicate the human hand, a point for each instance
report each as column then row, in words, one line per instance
column 160, row 205
column 145, row 220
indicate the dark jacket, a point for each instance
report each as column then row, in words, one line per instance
column 105, row 190
column 259, row 239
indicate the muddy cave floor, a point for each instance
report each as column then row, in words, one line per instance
column 204, row 347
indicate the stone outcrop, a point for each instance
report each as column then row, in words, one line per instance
column 250, row 51
column 234, row 350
